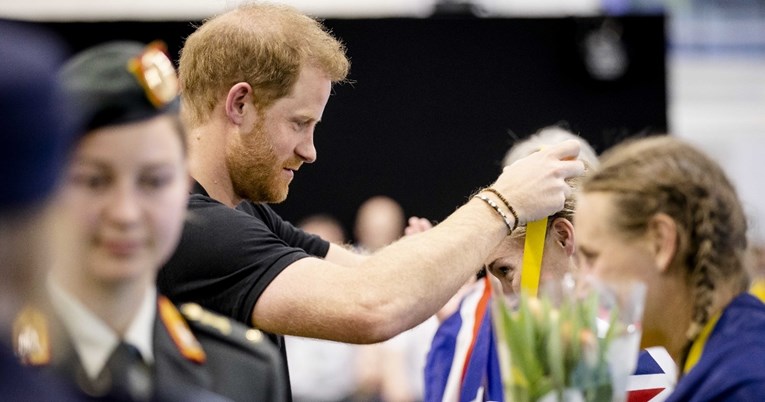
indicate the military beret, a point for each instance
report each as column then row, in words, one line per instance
column 33, row 133
column 120, row 82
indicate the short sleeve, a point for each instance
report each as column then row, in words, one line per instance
column 227, row 257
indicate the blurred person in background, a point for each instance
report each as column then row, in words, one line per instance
column 380, row 221
column 322, row 370
column 34, row 136
column 391, row 371
column 325, row 226
column 115, row 219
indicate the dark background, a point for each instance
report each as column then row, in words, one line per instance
column 436, row 102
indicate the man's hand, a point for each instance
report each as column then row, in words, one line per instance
column 536, row 185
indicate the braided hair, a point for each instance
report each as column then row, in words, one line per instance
column 663, row 174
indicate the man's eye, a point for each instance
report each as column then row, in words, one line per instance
column 299, row 125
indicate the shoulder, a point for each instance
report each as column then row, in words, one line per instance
column 243, row 361
column 742, row 321
column 208, row 223
column 202, row 207
column 734, row 356
column 207, row 349
column 213, row 330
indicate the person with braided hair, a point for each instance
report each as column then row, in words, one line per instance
column 660, row 211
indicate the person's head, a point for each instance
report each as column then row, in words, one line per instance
column 263, row 45
column 121, row 206
column 264, row 72
column 34, row 137
column 325, row 226
column 505, row 262
column 379, row 221
column 660, row 211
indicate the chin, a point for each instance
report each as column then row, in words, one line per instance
column 279, row 198
column 113, row 273
column 278, row 193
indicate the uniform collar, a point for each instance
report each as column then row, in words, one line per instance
column 93, row 340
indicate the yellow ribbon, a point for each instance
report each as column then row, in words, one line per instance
column 758, row 288
column 533, row 249
column 697, row 348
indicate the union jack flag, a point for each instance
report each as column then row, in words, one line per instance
column 654, row 377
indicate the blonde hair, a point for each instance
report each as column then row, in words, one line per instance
column 548, row 136
column 264, row 45
column 665, row 175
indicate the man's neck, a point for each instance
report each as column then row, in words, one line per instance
column 217, row 190
column 207, row 163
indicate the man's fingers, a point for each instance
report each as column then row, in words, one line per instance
column 566, row 150
column 572, row 168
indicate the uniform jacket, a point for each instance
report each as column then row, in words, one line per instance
column 198, row 356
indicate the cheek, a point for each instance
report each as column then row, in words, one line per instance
column 282, row 140
column 623, row 263
column 72, row 231
column 555, row 262
column 72, row 220
column 516, row 283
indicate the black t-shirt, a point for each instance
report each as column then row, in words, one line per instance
column 227, row 257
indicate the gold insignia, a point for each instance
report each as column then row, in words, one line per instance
column 253, row 335
column 179, row 331
column 196, row 313
column 192, row 311
column 31, row 337
column 156, row 74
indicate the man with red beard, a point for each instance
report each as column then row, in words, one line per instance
column 254, row 84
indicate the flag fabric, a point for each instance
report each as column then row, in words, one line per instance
column 463, row 365
column 654, row 378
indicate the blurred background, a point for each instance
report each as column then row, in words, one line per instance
column 441, row 88
column 439, row 91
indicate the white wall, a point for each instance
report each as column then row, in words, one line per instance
column 718, row 103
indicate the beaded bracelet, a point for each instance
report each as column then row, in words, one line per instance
column 499, row 211
column 507, row 204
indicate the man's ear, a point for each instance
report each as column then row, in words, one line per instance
column 563, row 232
column 238, row 98
column 662, row 239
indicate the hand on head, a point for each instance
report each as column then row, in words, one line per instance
column 417, row 225
column 536, row 185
